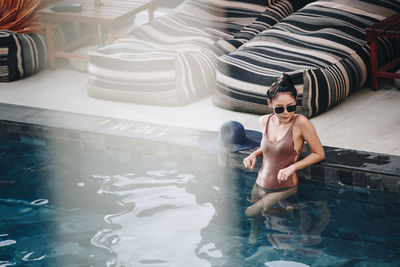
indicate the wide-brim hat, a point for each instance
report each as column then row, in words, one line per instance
column 231, row 137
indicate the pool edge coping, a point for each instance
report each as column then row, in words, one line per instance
column 344, row 160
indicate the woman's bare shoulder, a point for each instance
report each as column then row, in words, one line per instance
column 263, row 120
column 302, row 120
column 304, row 123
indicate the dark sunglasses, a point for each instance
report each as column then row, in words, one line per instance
column 291, row 108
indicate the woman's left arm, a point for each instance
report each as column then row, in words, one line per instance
column 309, row 135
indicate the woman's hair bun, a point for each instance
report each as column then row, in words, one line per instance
column 282, row 85
column 283, row 77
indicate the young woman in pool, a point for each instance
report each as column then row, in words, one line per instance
column 284, row 133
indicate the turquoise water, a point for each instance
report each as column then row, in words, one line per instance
column 66, row 204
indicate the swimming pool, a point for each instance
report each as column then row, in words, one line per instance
column 71, row 202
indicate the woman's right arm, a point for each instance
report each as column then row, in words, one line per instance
column 250, row 161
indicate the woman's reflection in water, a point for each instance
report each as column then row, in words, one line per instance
column 294, row 227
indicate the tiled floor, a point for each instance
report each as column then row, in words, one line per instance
column 367, row 120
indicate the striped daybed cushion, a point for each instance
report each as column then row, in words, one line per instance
column 321, row 46
column 272, row 14
column 172, row 60
column 24, row 54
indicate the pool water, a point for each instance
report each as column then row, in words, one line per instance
column 66, row 204
column 331, row 226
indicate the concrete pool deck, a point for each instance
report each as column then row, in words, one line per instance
column 367, row 120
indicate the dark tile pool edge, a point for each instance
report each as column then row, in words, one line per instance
column 341, row 167
column 98, row 125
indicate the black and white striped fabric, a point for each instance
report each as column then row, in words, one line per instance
column 271, row 15
column 321, row 46
column 22, row 55
column 172, row 60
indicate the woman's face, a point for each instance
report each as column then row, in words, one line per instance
column 283, row 100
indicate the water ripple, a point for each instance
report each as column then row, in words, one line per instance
column 27, row 257
column 103, row 239
column 7, row 242
column 40, row 202
column 7, row 263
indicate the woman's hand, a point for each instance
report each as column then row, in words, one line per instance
column 250, row 161
column 285, row 173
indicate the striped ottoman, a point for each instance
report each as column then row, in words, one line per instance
column 172, row 60
column 321, row 46
column 21, row 55
column 24, row 54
